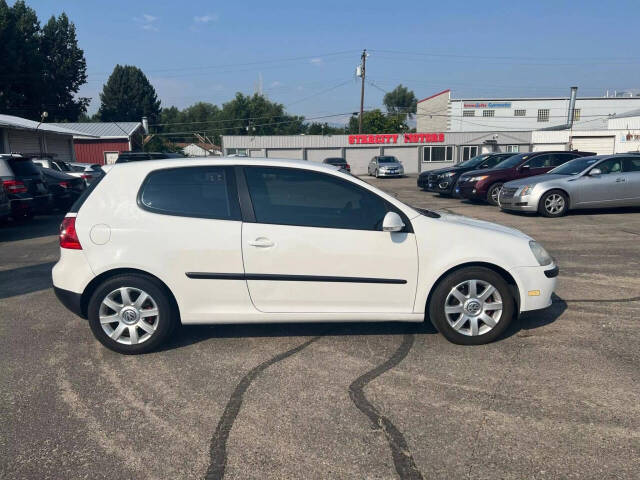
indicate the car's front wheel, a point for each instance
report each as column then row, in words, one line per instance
column 472, row 306
column 494, row 193
column 553, row 204
column 131, row 314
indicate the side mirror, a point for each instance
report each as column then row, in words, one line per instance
column 594, row 172
column 392, row 222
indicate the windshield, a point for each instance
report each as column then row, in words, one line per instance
column 387, row 160
column 575, row 166
column 513, row 161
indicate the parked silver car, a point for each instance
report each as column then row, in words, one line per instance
column 385, row 166
column 599, row 181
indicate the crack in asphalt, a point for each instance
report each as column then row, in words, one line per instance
column 402, row 458
column 218, row 449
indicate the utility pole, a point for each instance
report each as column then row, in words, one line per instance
column 362, row 74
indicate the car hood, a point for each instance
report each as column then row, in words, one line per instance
column 535, row 180
column 481, row 224
column 438, row 171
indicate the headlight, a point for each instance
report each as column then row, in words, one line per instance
column 540, row 253
column 477, row 179
column 447, row 175
column 526, row 190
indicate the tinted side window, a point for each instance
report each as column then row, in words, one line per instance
column 631, row 164
column 560, row 158
column 493, row 161
column 540, row 161
column 204, row 192
column 288, row 196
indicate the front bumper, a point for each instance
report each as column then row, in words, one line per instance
column 470, row 191
column 536, row 285
column 520, row 204
column 390, row 174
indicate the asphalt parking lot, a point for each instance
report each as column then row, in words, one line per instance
column 556, row 397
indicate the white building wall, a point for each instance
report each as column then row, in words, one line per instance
column 591, row 110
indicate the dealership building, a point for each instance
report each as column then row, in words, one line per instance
column 440, row 112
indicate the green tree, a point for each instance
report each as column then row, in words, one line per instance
column 323, row 129
column 20, row 75
column 257, row 115
column 65, row 70
column 128, row 96
column 376, row 121
column 400, row 100
column 42, row 69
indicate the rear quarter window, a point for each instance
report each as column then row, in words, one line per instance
column 23, row 167
column 202, row 192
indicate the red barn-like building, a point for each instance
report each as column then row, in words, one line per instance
column 102, row 142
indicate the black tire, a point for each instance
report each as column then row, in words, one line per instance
column 546, row 211
column 436, row 307
column 375, row 173
column 493, row 192
column 166, row 319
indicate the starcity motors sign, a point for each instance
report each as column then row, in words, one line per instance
column 397, row 138
column 488, row 105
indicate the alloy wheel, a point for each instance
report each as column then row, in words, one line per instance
column 129, row 315
column 554, row 203
column 473, row 307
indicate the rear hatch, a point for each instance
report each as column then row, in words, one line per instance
column 28, row 173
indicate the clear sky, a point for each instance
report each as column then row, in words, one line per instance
column 306, row 52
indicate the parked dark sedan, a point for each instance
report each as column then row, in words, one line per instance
column 486, row 184
column 64, row 188
column 443, row 180
column 338, row 162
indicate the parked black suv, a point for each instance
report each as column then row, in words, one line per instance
column 22, row 180
column 443, row 181
column 125, row 157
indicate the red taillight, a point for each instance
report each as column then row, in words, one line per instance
column 68, row 235
column 14, row 186
column 86, row 176
column 64, row 184
column 347, row 166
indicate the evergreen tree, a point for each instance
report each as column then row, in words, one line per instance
column 128, row 96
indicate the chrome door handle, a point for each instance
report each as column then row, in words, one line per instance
column 618, row 180
column 261, row 242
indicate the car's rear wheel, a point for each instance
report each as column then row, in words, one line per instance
column 472, row 306
column 553, row 204
column 494, row 192
column 131, row 314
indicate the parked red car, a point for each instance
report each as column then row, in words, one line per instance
column 486, row 184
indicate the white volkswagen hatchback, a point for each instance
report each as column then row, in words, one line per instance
column 157, row 243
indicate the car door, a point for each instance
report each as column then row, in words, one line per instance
column 605, row 189
column 317, row 246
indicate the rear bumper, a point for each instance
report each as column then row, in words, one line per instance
column 71, row 300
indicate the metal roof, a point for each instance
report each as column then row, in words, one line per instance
column 23, row 124
column 103, row 129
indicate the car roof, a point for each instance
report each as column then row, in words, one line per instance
column 224, row 161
